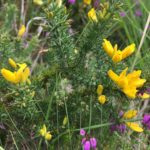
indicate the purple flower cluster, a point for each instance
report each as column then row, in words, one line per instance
column 146, row 121
column 121, row 128
column 88, row 143
column 118, row 127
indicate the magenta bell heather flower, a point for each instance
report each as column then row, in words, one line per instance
column 71, row 1
column 86, row 145
column 146, row 121
column 93, row 142
column 82, row 132
column 87, row 142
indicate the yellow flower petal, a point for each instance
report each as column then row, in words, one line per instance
column 128, row 51
column 24, row 65
column 134, row 126
column 117, row 57
column 92, row 15
column 122, row 82
column 102, row 99
column 8, row 75
column 88, row 2
column 134, row 74
column 100, row 89
column 108, row 47
column 18, row 75
column 12, row 63
column 130, row 114
column 25, row 74
column 139, row 82
column 48, row 136
column 130, row 92
column 21, row 31
column 113, row 76
column 124, row 72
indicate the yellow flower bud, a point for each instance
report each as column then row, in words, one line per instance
column 92, row 15
column 12, row 63
column 130, row 114
column 21, row 31
column 65, row 121
column 102, row 99
column 100, row 89
column 48, row 136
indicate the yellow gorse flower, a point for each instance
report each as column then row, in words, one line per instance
column 128, row 83
column 46, row 134
column 92, row 15
column 21, row 75
column 115, row 54
column 21, row 31
column 38, row 2
column 88, row 2
column 132, row 125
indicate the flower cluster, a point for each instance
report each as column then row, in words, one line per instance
column 124, row 117
column 20, row 74
column 100, row 14
column 101, row 98
column 128, row 83
column 88, row 143
column 115, row 54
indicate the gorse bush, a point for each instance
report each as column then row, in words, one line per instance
column 64, row 85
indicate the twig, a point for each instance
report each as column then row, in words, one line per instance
column 22, row 12
column 29, row 22
column 141, row 42
column 36, row 59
